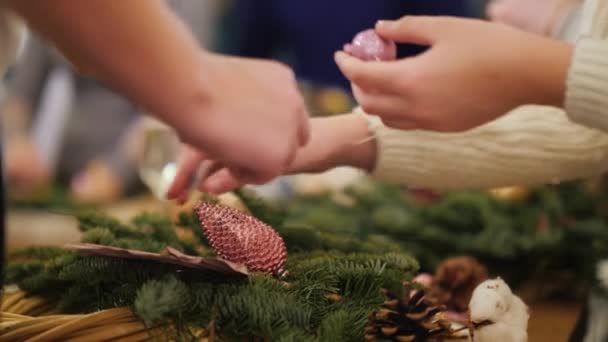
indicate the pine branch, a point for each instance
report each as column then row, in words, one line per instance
column 163, row 299
column 264, row 211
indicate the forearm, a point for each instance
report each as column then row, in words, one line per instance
column 137, row 46
column 532, row 145
column 342, row 140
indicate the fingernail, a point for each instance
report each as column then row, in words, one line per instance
column 340, row 55
column 384, row 24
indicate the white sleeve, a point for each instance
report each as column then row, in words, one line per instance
column 531, row 145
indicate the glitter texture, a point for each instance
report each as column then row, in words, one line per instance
column 369, row 46
column 243, row 239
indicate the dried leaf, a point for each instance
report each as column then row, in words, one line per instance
column 168, row 256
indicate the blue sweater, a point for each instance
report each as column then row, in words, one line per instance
column 308, row 32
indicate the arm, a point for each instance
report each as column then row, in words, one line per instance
column 530, row 146
column 140, row 48
column 120, row 42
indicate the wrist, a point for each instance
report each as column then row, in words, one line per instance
column 187, row 107
column 551, row 61
column 359, row 147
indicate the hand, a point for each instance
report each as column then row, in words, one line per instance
column 250, row 121
column 539, row 16
column 473, row 72
column 335, row 141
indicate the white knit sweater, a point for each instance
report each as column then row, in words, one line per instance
column 531, row 145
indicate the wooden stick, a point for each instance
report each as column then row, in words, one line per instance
column 106, row 333
column 10, row 299
column 88, row 321
column 31, row 329
column 27, row 305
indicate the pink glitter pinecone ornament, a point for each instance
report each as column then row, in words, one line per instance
column 369, row 46
column 243, row 239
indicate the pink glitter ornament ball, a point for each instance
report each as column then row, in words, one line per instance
column 369, row 46
column 243, row 239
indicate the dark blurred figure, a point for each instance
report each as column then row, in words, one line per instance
column 50, row 109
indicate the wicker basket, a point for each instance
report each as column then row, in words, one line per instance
column 31, row 318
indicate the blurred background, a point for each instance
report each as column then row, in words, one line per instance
column 72, row 143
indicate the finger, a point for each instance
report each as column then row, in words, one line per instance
column 392, row 107
column 206, row 170
column 182, row 199
column 246, row 176
column 187, row 165
column 220, row 182
column 368, row 75
column 420, row 30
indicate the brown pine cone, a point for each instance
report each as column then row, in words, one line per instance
column 456, row 279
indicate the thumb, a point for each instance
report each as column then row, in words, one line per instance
column 221, row 181
column 419, row 30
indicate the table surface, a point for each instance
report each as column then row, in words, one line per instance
column 549, row 321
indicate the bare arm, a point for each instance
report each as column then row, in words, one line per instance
column 121, row 42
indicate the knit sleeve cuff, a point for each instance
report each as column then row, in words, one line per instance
column 400, row 157
column 587, row 85
column 529, row 146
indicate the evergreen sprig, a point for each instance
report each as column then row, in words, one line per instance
column 297, row 308
column 340, row 257
column 556, row 229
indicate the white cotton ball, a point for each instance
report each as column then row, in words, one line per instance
column 506, row 314
column 518, row 314
column 490, row 301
